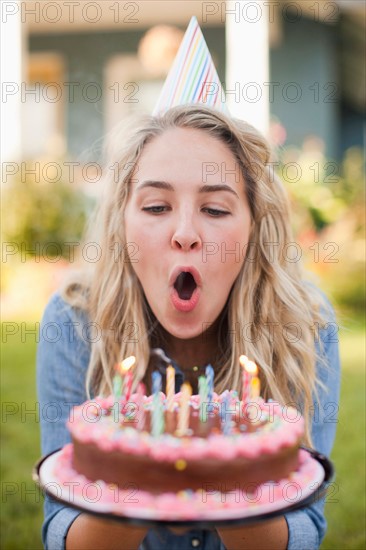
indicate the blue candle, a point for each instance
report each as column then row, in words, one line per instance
column 225, row 415
column 210, row 382
column 156, row 382
column 157, row 413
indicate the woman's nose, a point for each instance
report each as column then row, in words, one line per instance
column 185, row 236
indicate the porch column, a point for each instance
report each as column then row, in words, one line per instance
column 12, row 77
column 247, row 61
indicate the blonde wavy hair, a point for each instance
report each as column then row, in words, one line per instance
column 270, row 312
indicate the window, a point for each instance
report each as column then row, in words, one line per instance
column 43, row 98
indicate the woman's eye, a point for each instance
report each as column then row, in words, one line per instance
column 154, row 209
column 214, row 212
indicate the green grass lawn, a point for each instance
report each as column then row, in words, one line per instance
column 346, row 516
column 21, row 513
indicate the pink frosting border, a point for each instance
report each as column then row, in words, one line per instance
column 89, row 424
column 188, row 504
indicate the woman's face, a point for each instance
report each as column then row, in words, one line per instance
column 187, row 213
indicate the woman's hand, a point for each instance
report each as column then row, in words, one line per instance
column 267, row 535
column 90, row 533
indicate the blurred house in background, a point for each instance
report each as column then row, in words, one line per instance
column 73, row 69
column 87, row 64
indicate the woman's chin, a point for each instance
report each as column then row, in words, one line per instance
column 184, row 333
column 185, row 326
column 184, row 329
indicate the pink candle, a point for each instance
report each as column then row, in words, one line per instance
column 127, row 385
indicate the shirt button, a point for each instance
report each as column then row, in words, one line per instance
column 195, row 543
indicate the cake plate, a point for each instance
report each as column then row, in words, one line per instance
column 202, row 510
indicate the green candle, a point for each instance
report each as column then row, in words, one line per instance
column 117, row 387
column 203, row 393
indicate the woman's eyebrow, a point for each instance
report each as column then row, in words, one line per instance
column 169, row 187
column 219, row 187
column 156, row 185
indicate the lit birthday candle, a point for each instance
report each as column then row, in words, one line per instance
column 126, row 370
column 184, row 409
column 249, row 370
column 170, row 387
column 255, row 385
column 157, row 413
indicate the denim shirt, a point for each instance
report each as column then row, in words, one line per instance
column 62, row 361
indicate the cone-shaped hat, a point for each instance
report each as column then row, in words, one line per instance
column 192, row 77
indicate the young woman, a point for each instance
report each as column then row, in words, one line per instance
column 193, row 193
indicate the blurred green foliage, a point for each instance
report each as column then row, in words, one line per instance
column 328, row 208
column 38, row 212
column 322, row 190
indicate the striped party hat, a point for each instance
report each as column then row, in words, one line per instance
column 192, row 77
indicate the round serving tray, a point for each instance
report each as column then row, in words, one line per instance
column 175, row 512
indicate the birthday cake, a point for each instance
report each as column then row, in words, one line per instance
column 170, row 443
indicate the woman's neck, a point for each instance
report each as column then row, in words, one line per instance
column 193, row 352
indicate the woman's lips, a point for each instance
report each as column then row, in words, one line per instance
column 185, row 306
column 187, row 269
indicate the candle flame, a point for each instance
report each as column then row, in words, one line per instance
column 248, row 365
column 127, row 363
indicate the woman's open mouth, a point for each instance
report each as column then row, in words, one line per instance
column 185, row 285
column 185, row 292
